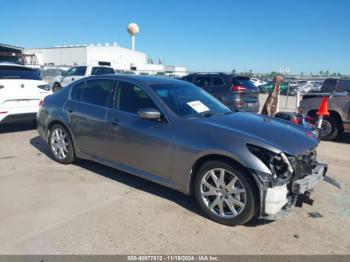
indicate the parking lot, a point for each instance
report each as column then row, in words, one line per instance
column 86, row 208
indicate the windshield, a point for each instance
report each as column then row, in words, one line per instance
column 188, row 100
column 17, row 72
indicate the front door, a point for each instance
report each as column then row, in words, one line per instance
column 145, row 145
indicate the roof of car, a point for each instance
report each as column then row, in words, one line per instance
column 145, row 79
column 11, row 64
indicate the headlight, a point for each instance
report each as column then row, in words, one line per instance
column 277, row 163
column 44, row 87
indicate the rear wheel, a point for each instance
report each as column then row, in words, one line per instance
column 330, row 128
column 61, row 145
column 225, row 193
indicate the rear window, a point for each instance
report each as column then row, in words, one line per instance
column 17, row 72
column 102, row 70
column 77, row 90
column 243, row 81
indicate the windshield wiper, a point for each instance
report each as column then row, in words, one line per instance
column 207, row 114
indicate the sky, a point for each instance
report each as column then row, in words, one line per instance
column 203, row 35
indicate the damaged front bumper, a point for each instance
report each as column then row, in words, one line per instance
column 279, row 197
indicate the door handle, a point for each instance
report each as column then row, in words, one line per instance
column 72, row 78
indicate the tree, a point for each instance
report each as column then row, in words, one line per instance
column 233, row 71
column 321, row 73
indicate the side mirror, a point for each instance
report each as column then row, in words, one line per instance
column 149, row 113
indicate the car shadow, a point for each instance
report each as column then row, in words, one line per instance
column 343, row 138
column 138, row 183
column 125, row 178
column 16, row 127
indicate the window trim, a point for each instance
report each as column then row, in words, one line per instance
column 87, row 103
column 210, row 80
column 223, row 81
column 71, row 90
column 148, row 93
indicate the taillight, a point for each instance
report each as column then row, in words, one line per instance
column 236, row 88
column 240, row 104
column 41, row 103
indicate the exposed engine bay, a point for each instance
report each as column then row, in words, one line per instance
column 291, row 181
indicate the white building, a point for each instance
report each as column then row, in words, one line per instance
column 118, row 57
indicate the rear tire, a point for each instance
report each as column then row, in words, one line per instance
column 230, row 198
column 61, row 145
column 330, row 128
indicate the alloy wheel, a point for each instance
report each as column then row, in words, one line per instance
column 59, row 143
column 223, row 193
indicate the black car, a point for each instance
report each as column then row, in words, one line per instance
column 236, row 92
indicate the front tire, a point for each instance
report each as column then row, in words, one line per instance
column 61, row 145
column 330, row 128
column 226, row 193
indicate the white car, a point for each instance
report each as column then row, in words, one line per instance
column 21, row 93
column 257, row 82
column 310, row 86
column 79, row 72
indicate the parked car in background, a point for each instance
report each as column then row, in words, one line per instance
column 237, row 165
column 267, row 88
column 78, row 72
column 236, row 92
column 338, row 106
column 257, row 82
column 310, row 86
column 21, row 90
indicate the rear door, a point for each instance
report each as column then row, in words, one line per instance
column 218, row 88
column 87, row 109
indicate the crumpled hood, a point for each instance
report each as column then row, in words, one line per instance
column 279, row 134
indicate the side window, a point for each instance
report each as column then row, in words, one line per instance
column 80, row 71
column 71, row 71
column 102, row 71
column 217, row 81
column 344, row 86
column 77, row 90
column 202, row 81
column 98, row 92
column 131, row 98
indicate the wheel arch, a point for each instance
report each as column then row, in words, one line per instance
column 332, row 113
column 217, row 157
column 56, row 121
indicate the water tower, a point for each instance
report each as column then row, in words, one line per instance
column 133, row 30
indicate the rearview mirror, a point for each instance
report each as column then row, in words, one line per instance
column 149, row 113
